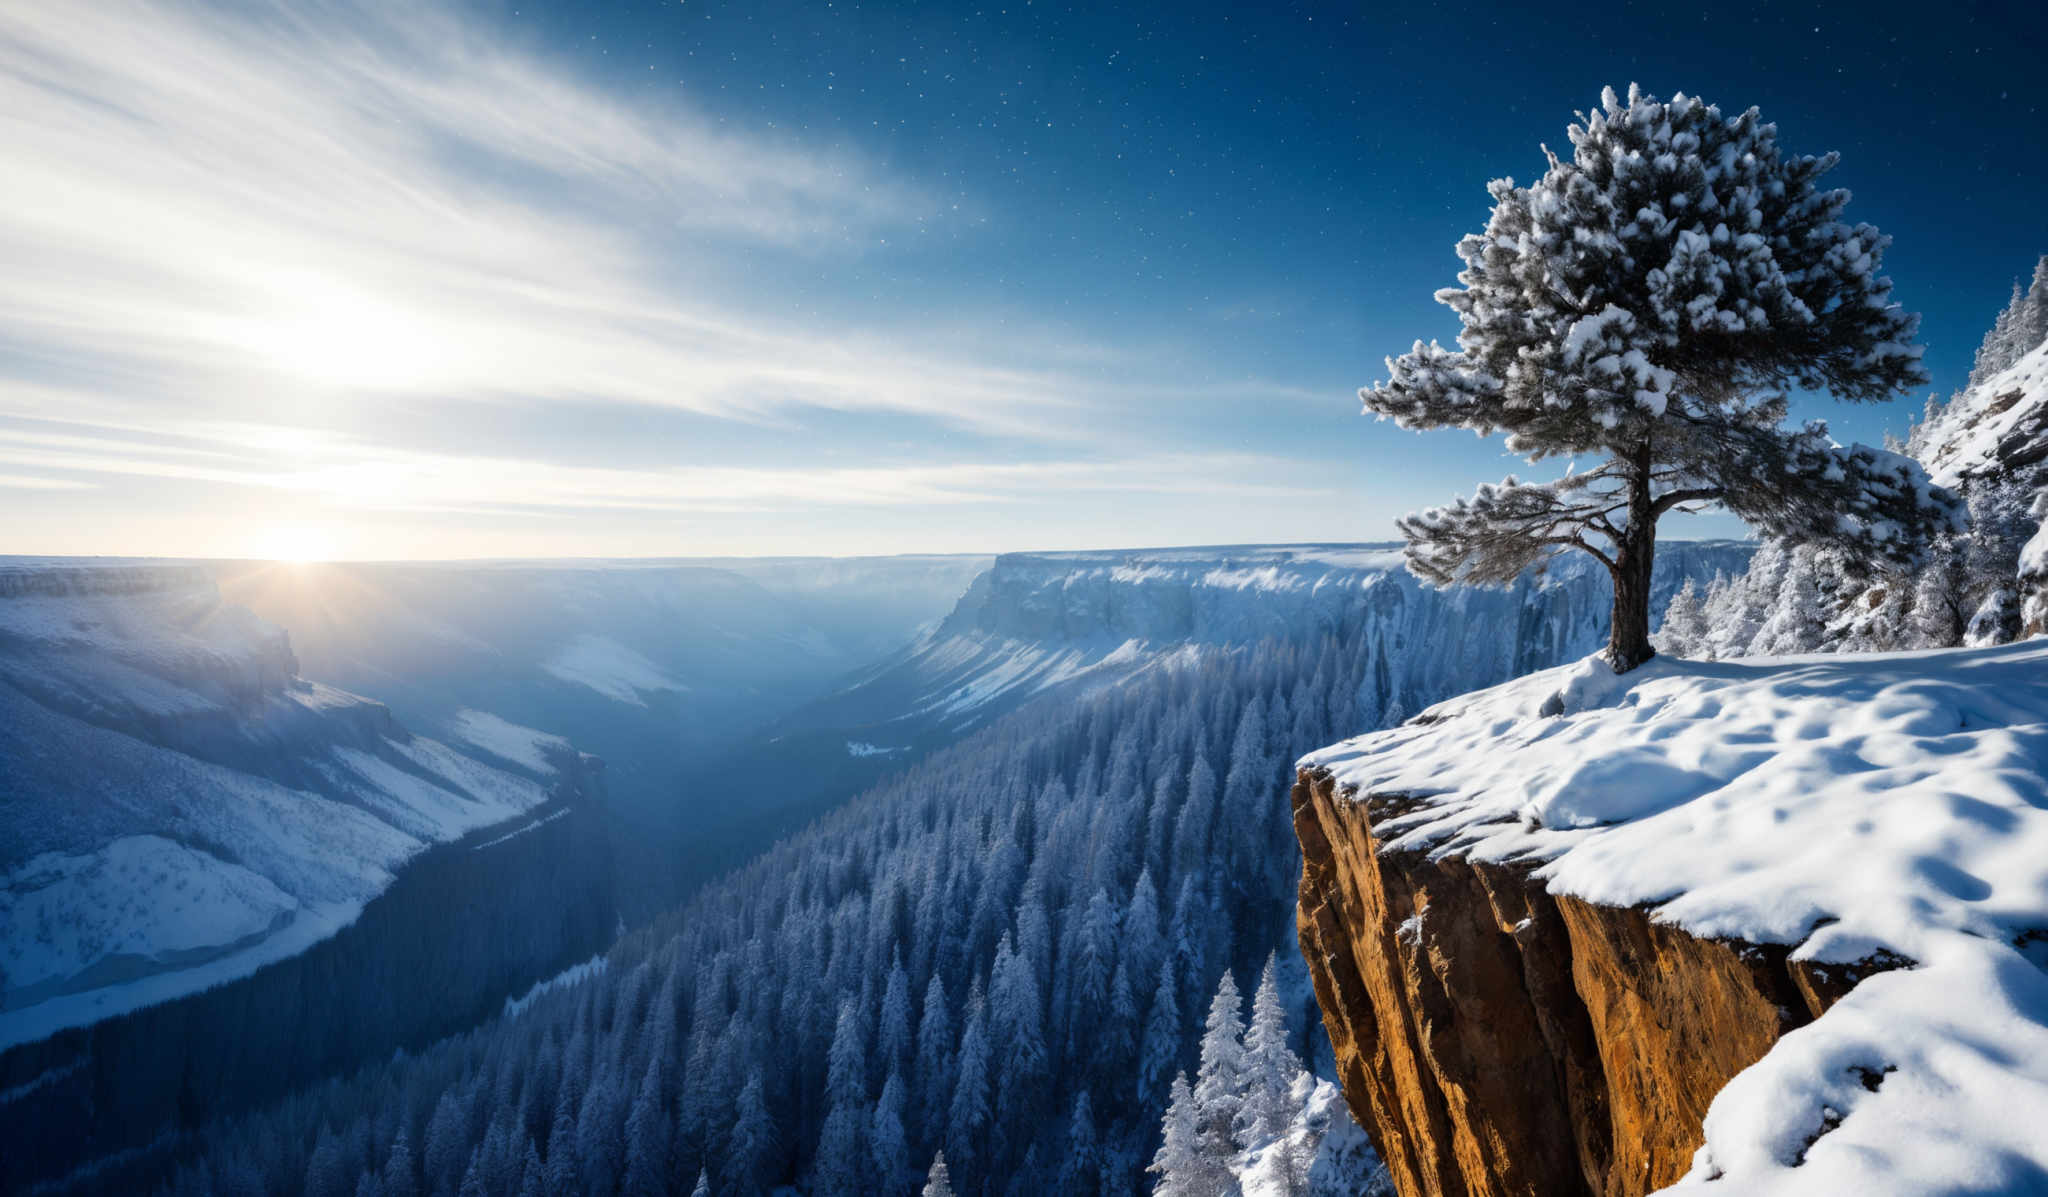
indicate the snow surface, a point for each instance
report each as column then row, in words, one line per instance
column 178, row 808
column 2004, row 417
column 506, row 740
column 861, row 748
column 610, row 668
column 575, row 974
column 1848, row 805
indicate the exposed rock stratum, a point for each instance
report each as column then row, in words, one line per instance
column 1497, row 1039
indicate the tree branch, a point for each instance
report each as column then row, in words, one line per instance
column 1667, row 502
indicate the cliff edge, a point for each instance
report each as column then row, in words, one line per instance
column 1756, row 927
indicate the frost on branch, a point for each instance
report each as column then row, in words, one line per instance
column 1490, row 538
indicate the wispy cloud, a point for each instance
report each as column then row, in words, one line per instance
column 232, row 232
column 344, row 474
column 382, row 197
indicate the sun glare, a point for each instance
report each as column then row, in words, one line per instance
column 296, row 544
column 330, row 332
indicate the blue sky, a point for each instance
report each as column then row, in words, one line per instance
column 491, row 279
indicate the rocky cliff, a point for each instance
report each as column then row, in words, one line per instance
column 1582, row 935
column 1501, row 1040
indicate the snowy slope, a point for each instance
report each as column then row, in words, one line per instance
column 1999, row 426
column 178, row 807
column 649, row 664
column 1849, row 805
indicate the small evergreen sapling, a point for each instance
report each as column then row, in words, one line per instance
column 1645, row 305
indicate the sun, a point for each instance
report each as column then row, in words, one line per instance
column 296, row 544
column 327, row 331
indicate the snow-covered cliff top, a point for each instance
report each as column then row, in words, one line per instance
column 1849, row 805
column 1218, row 594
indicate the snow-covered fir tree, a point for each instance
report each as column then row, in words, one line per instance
column 1255, row 1119
column 1271, row 1069
column 2020, row 327
column 1684, row 632
column 1795, row 624
column 938, row 1182
column 1185, row 1162
column 1991, row 438
column 1646, row 304
column 1220, row 1079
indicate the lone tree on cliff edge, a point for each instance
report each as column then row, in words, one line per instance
column 1647, row 303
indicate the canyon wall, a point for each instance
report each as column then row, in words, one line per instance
column 1495, row 1039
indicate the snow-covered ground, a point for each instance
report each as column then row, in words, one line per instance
column 506, row 740
column 610, row 668
column 1848, row 805
column 575, row 974
column 2001, row 423
column 179, row 808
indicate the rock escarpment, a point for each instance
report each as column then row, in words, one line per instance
column 1768, row 927
column 1497, row 1039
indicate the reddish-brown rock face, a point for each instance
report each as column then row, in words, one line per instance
column 1496, row 1039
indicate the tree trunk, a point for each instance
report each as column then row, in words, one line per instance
column 1628, row 633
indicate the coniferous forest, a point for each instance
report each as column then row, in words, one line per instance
column 1005, row 955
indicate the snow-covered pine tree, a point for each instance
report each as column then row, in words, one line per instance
column 2000, row 347
column 1877, row 617
column 561, row 1157
column 1080, row 1168
column 967, row 1117
column 1684, row 633
column 888, row 1146
column 1270, row 1067
column 846, row 1082
column 1646, row 304
column 938, row 1182
column 1184, row 1166
column 935, row 1041
column 839, row 1168
column 1747, row 601
column 2030, row 324
column 1796, row 623
column 751, row 1150
column 650, row 1145
column 327, row 1170
column 893, row 1043
column 1220, row 1079
column 1937, row 620
column 2001, row 523
column 1160, row 1048
column 398, row 1179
